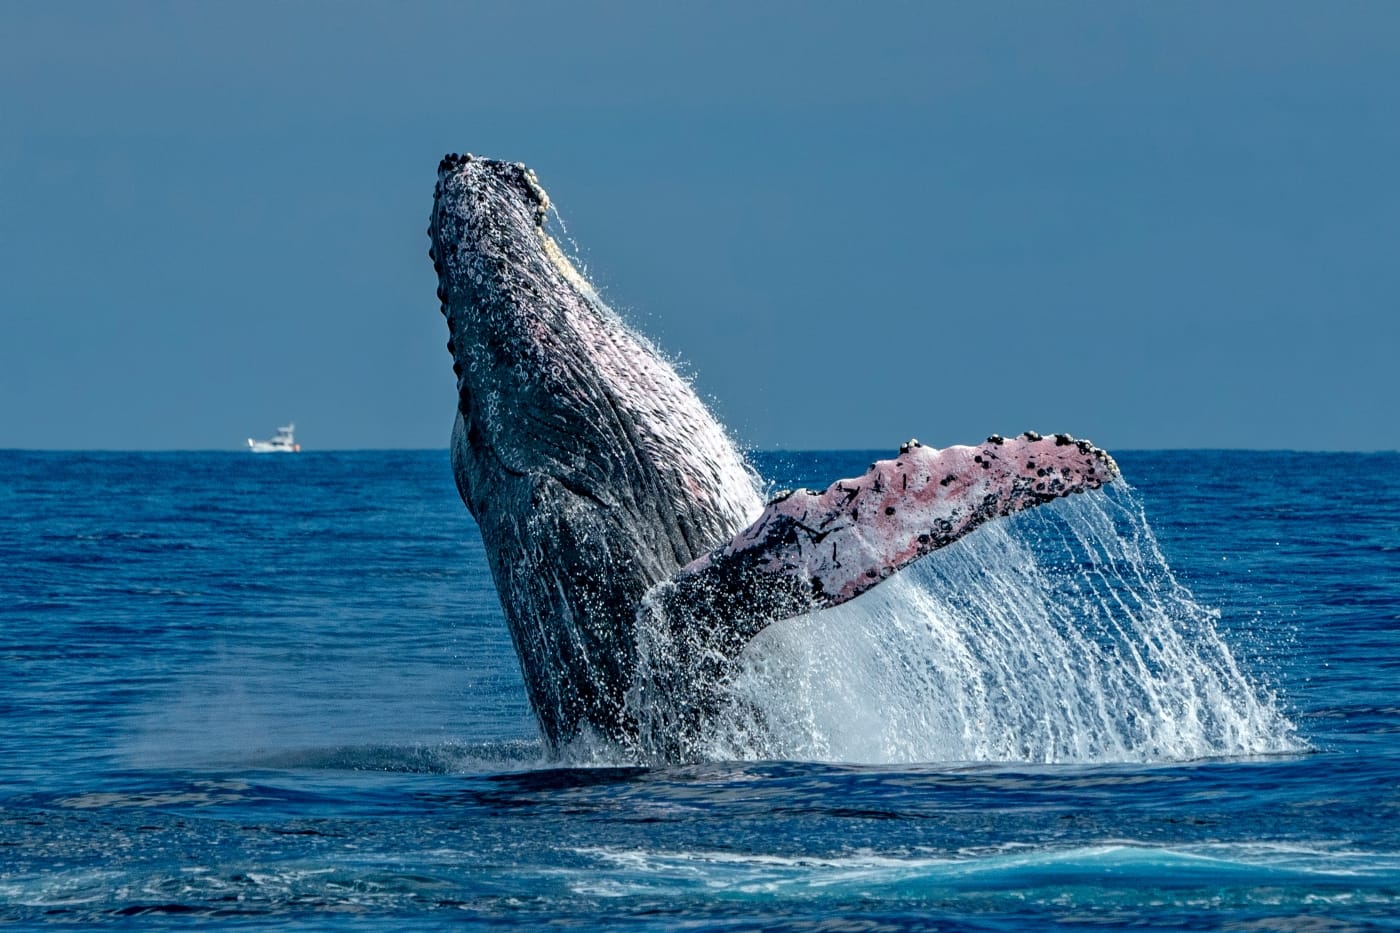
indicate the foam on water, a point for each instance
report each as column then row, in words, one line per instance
column 1203, row 877
column 1059, row 635
column 1094, row 877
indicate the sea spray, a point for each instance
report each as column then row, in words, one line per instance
column 1060, row 635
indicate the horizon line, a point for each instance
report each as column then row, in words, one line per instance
column 242, row 451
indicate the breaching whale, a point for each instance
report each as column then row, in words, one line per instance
column 631, row 549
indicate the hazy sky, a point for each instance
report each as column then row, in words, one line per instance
column 1155, row 225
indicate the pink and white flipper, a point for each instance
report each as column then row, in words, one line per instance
column 840, row 542
column 810, row 550
column 859, row 531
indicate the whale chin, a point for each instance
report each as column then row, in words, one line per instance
column 620, row 519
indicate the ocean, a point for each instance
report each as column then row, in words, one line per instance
column 278, row 692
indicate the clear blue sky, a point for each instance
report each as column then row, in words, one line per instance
column 1155, row 225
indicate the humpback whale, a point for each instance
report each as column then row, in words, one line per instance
column 632, row 551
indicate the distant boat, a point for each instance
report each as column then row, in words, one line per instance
column 283, row 443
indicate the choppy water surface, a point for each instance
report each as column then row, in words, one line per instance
column 279, row 691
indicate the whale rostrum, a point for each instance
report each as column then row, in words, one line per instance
column 632, row 552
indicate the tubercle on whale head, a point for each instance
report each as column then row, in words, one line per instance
column 475, row 197
column 487, row 215
column 516, row 174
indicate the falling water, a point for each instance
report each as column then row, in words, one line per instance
column 1060, row 635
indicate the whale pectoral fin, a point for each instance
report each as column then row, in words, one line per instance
column 810, row 550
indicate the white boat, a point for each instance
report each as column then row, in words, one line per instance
column 283, row 443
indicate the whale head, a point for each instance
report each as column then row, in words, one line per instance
column 550, row 381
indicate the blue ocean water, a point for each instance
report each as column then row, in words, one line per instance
column 278, row 691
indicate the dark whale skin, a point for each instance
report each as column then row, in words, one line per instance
column 591, row 467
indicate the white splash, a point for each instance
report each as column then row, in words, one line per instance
column 1059, row 635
